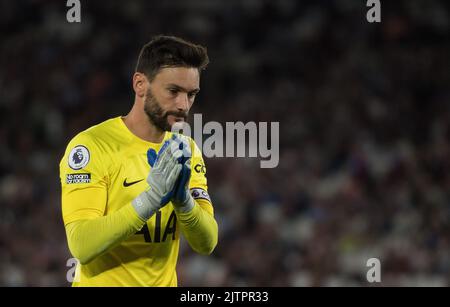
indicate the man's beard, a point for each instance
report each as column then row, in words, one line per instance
column 156, row 114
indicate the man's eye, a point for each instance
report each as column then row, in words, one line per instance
column 191, row 95
column 173, row 91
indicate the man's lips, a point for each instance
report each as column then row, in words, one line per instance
column 177, row 118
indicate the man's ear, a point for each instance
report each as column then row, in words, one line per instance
column 140, row 84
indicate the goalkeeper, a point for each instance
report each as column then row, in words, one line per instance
column 130, row 187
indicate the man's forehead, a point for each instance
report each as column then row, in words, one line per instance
column 186, row 77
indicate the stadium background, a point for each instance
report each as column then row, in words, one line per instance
column 364, row 145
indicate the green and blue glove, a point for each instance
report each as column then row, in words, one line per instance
column 161, row 180
column 168, row 179
column 181, row 198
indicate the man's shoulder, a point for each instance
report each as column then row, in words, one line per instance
column 99, row 134
column 104, row 129
column 88, row 144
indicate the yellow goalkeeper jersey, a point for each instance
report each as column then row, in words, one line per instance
column 103, row 169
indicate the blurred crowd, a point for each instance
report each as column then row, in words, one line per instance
column 364, row 113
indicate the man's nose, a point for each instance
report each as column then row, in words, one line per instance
column 182, row 102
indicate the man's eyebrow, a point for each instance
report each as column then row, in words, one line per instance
column 180, row 88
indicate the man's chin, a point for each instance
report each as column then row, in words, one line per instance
column 161, row 126
column 167, row 127
column 169, row 124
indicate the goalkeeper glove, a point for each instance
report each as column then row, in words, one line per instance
column 181, row 198
column 161, row 180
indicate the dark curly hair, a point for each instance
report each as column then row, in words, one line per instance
column 170, row 51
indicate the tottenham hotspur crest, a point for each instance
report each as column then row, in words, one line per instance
column 78, row 157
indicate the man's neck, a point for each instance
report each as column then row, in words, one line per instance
column 138, row 123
